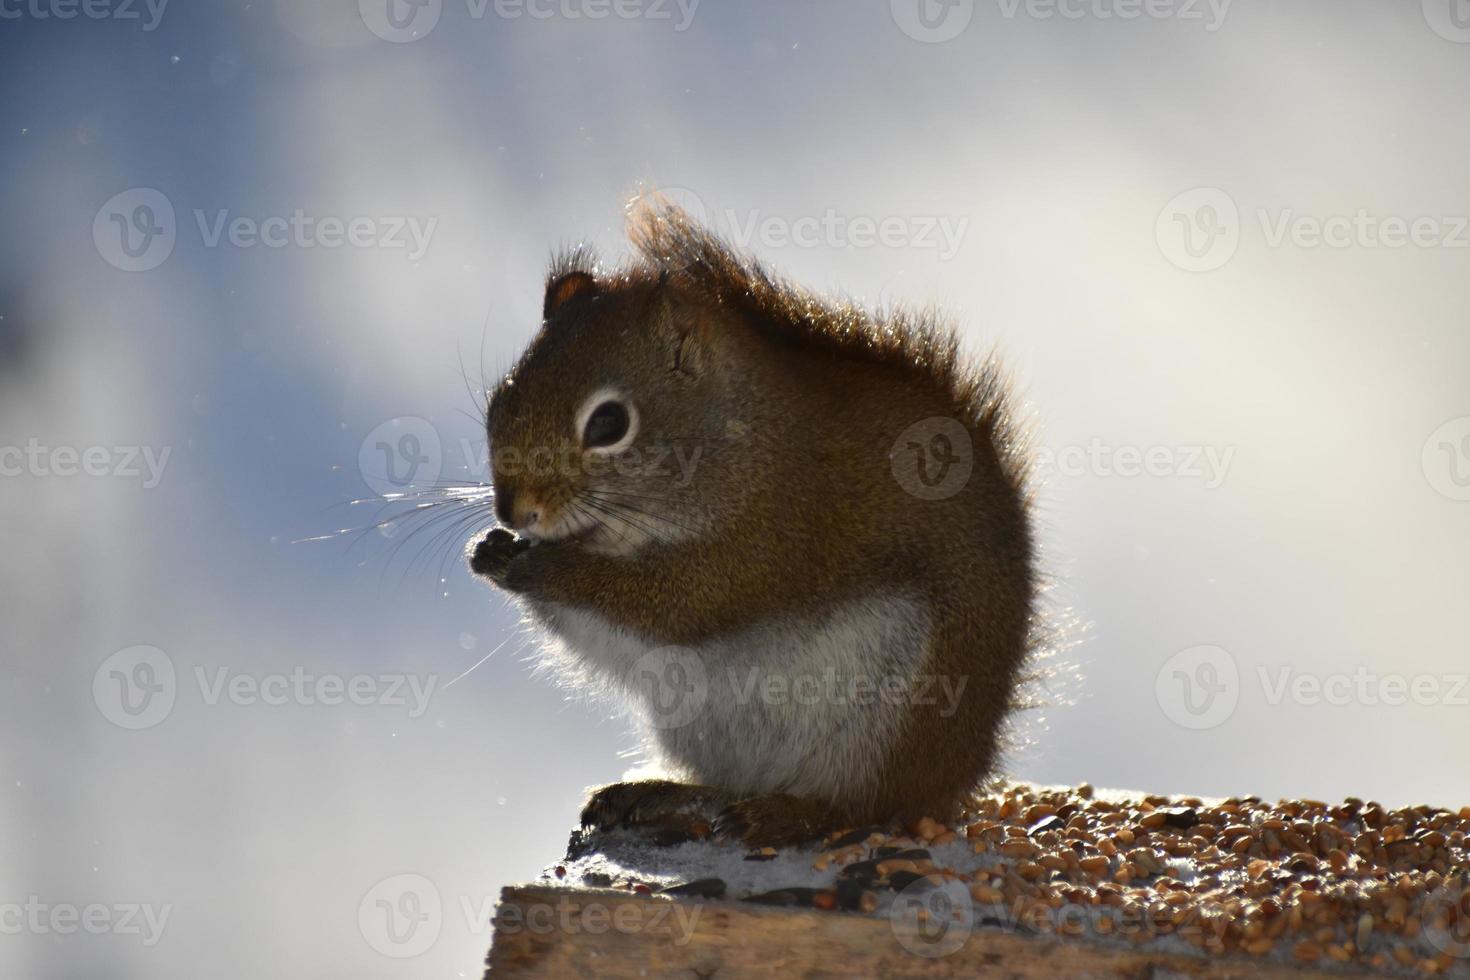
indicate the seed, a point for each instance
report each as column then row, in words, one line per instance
column 986, row 894
column 1306, row 951
column 1364, row 931
column 1039, row 811
column 1097, row 864
column 1019, row 847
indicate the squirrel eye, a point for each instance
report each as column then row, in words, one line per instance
column 607, row 424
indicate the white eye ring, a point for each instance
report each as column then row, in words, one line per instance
column 589, row 406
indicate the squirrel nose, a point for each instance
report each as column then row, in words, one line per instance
column 515, row 510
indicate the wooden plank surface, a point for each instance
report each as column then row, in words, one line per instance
column 548, row 931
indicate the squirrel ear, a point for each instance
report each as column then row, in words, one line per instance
column 563, row 288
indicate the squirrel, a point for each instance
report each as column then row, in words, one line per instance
column 823, row 612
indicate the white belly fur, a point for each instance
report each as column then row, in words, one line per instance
column 779, row 711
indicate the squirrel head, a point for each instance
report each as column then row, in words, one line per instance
column 602, row 430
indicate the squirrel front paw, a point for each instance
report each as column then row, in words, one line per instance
column 493, row 554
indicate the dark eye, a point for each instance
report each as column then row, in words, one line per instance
column 607, row 424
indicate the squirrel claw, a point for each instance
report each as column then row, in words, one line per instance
column 492, row 554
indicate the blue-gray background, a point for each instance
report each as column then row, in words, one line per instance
column 1336, row 378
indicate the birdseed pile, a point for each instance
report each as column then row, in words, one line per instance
column 1352, row 883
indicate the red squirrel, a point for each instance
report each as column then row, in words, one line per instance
column 837, row 581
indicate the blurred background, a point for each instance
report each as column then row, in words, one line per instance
column 259, row 258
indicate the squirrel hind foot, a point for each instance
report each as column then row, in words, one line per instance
column 778, row 820
column 652, row 804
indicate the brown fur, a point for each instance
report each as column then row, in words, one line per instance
column 796, row 403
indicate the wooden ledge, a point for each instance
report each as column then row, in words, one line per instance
column 549, row 931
